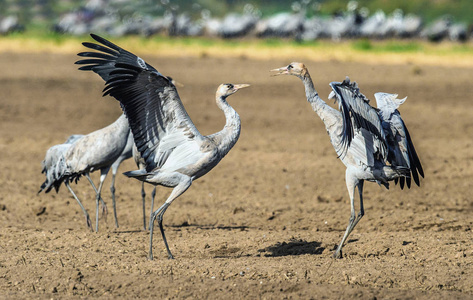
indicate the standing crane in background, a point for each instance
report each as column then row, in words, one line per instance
column 174, row 151
column 373, row 144
column 100, row 150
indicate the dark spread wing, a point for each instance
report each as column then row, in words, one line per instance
column 401, row 149
column 357, row 114
column 415, row 166
column 149, row 99
column 105, row 62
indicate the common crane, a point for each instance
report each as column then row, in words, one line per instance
column 174, row 151
column 373, row 144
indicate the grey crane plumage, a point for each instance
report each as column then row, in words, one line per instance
column 373, row 144
column 100, row 150
column 53, row 167
column 50, row 163
column 174, row 151
column 140, row 163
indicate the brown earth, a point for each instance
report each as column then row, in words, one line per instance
column 264, row 222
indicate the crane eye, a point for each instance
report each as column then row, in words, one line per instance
column 230, row 86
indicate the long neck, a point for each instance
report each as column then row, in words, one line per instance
column 121, row 123
column 328, row 114
column 228, row 136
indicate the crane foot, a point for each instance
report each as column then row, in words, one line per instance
column 89, row 222
column 338, row 254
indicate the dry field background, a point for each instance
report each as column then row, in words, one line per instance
column 264, row 222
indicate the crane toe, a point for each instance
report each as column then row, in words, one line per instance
column 338, row 254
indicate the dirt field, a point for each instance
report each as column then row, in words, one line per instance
column 264, row 222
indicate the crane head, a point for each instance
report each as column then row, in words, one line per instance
column 295, row 68
column 227, row 89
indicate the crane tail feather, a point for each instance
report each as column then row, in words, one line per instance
column 138, row 174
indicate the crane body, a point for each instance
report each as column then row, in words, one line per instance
column 100, row 150
column 373, row 143
column 173, row 150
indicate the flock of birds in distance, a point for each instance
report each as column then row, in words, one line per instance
column 126, row 17
column 373, row 143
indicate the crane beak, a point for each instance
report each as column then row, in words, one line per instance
column 280, row 71
column 332, row 96
column 237, row 87
column 177, row 83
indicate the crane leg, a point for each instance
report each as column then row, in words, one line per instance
column 87, row 218
column 104, row 206
column 180, row 188
column 98, row 198
column 361, row 213
column 112, row 190
column 143, row 199
column 352, row 183
column 114, row 168
column 103, row 175
column 158, row 213
column 153, row 196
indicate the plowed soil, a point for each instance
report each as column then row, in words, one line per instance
column 262, row 224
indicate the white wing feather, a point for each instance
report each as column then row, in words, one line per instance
column 388, row 103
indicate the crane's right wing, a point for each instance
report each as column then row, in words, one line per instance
column 157, row 118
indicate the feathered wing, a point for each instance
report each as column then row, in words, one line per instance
column 400, row 146
column 388, row 103
column 54, row 167
column 109, row 59
column 415, row 166
column 358, row 115
column 149, row 99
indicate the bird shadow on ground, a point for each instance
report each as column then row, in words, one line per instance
column 210, row 226
column 351, row 241
column 129, row 231
column 293, row 247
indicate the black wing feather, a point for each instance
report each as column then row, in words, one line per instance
column 89, row 61
column 415, row 165
column 142, row 91
column 98, row 47
column 96, row 55
column 88, row 68
column 357, row 113
column 397, row 130
column 113, row 57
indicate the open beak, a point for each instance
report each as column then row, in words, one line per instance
column 280, row 71
column 237, row 87
column 332, row 96
column 177, row 83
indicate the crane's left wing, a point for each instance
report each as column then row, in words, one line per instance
column 105, row 62
column 157, row 118
column 357, row 114
column 400, row 147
